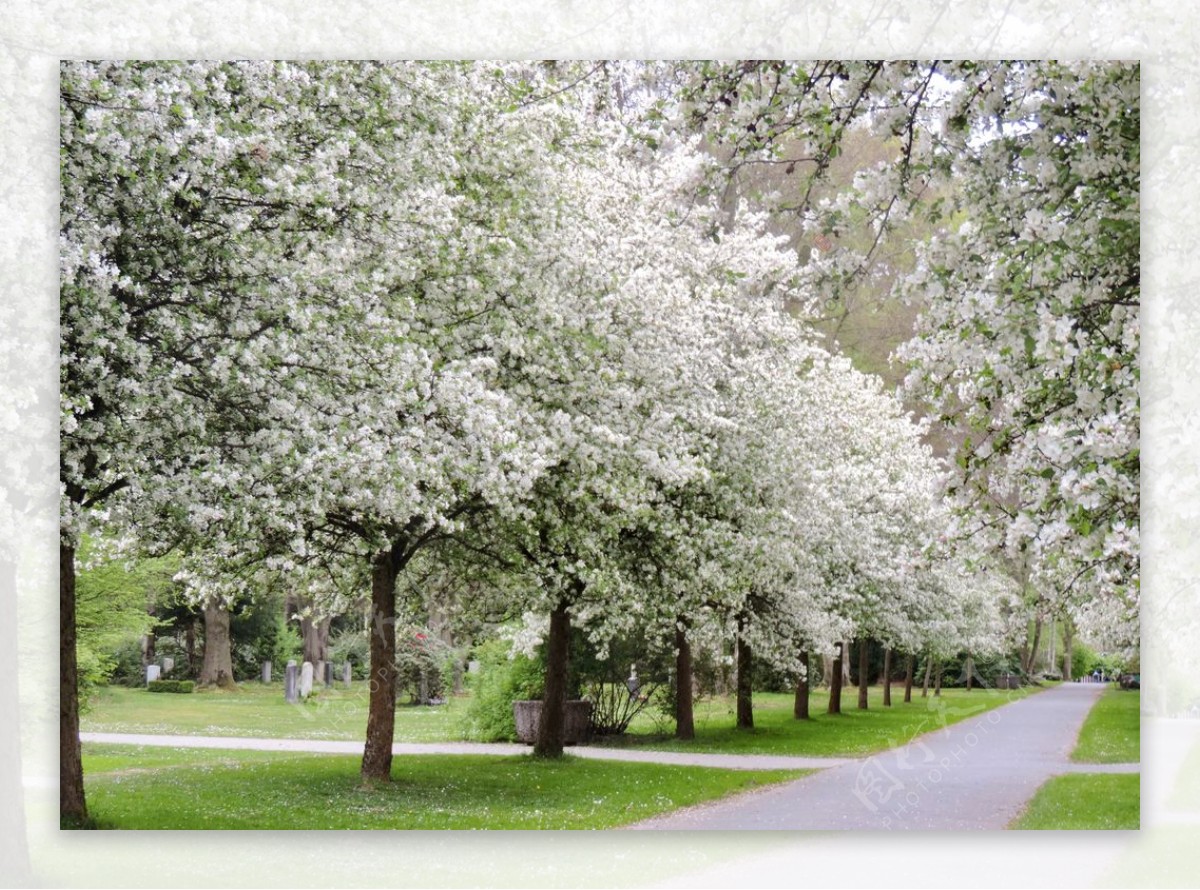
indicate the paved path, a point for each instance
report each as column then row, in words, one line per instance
column 319, row 746
column 977, row 774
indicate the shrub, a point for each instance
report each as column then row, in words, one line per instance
column 352, row 645
column 170, row 686
column 286, row 644
column 604, row 681
column 423, row 663
column 501, row 680
column 1084, row 660
column 126, row 663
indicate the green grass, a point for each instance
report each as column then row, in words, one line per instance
column 1112, row 731
column 258, row 711
column 850, row 734
column 1085, row 801
column 130, row 787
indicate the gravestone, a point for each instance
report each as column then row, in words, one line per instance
column 266, row 671
column 306, row 679
column 472, row 667
column 328, row 679
column 152, row 673
column 290, row 693
column 167, row 663
column 347, row 673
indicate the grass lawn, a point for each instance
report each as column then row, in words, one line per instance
column 259, row 711
column 1085, row 801
column 1112, row 731
column 849, row 734
column 129, row 787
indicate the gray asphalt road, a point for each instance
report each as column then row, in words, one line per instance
column 977, row 774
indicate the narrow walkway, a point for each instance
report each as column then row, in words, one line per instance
column 977, row 774
column 320, row 746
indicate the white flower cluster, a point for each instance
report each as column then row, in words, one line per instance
column 316, row 312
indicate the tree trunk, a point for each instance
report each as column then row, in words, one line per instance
column 863, row 665
column 72, row 808
column 845, row 662
column 835, row 681
column 381, row 707
column 685, row 720
column 800, row 709
column 908, row 678
column 148, row 653
column 1030, row 659
column 315, row 635
column 970, row 671
column 217, row 669
column 745, row 703
column 1052, row 637
column 189, row 647
column 552, row 721
column 1068, row 645
column 928, row 669
column 887, row 678
column 937, row 690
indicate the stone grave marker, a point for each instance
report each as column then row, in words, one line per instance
column 290, row 692
column 266, row 671
column 152, row 673
column 347, row 673
column 306, row 679
column 328, row 678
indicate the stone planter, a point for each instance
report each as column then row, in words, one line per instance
column 1008, row 681
column 576, row 720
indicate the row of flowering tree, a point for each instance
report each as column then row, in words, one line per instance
column 329, row 322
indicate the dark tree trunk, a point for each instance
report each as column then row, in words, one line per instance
column 887, row 678
column 800, row 709
column 1068, row 643
column 863, row 665
column 908, row 679
column 928, row 671
column 1031, row 653
column 217, row 669
column 72, row 807
column 552, row 721
column 835, row 681
column 189, row 646
column 745, row 702
column 937, row 690
column 315, row 635
column 685, row 718
column 381, row 707
column 970, row 671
